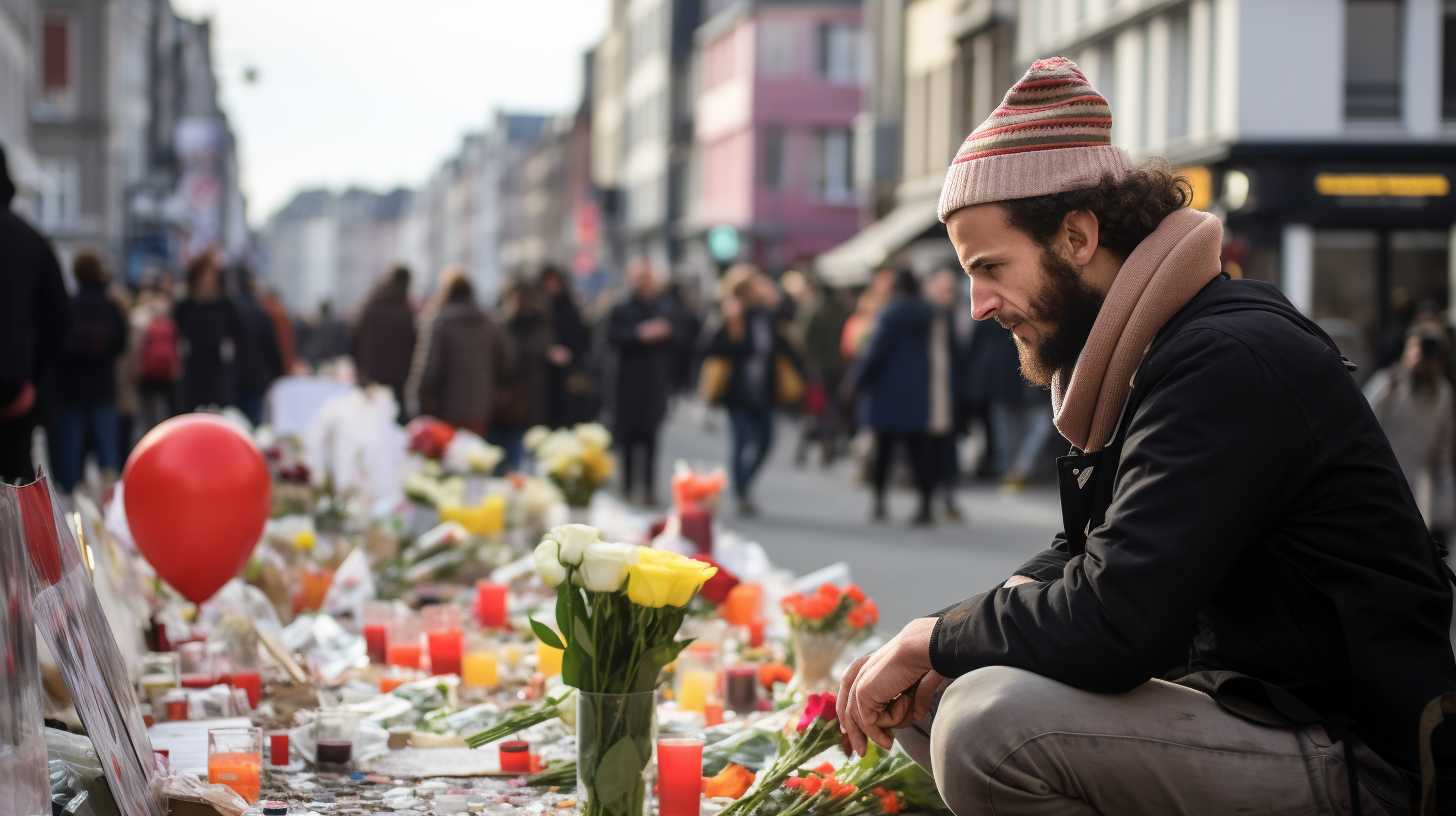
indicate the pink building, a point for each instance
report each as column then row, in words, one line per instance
column 778, row 87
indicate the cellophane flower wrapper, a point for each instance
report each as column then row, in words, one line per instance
column 22, row 745
column 69, row 616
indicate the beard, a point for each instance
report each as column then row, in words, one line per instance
column 1070, row 306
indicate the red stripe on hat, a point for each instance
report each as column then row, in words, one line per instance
column 1068, row 121
column 1025, row 149
column 1028, row 84
column 1007, row 110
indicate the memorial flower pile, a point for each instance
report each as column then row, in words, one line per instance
column 578, row 461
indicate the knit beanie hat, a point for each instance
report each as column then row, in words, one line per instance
column 1051, row 134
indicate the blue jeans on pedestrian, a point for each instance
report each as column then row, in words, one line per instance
column 751, row 432
column 75, row 425
column 510, row 441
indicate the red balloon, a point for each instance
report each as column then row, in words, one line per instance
column 196, row 491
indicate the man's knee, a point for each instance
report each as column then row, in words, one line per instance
column 983, row 717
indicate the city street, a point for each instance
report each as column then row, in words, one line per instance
column 813, row 517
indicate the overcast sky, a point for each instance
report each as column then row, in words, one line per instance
column 378, row 92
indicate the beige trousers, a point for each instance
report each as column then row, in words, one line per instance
column 1008, row 742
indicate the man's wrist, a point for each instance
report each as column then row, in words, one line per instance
column 919, row 642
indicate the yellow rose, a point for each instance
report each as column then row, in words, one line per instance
column 598, row 464
column 650, row 585
column 688, row 575
column 493, row 515
column 304, row 540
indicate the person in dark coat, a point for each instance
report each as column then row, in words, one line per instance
column 947, row 367
column 751, row 338
column 641, row 331
column 34, row 318
column 521, row 390
column 383, row 342
column 86, row 378
column 461, row 357
column 327, row 339
column 893, row 378
column 1244, row 606
column 259, row 361
column 207, row 331
column 825, row 364
column 570, row 392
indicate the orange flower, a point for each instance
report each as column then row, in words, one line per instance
column 731, row 782
column 839, row 790
column 889, row 801
column 828, row 590
column 810, row 785
column 855, row 593
column 872, row 610
column 857, row 618
column 824, row 769
column 771, row 673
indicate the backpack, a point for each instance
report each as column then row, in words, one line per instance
column 160, row 361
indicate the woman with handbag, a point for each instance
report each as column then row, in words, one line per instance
column 750, row 368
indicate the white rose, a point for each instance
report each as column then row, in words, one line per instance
column 574, row 539
column 535, row 437
column 566, row 709
column 604, row 566
column 593, row 435
column 547, row 564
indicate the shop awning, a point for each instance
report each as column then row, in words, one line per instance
column 851, row 263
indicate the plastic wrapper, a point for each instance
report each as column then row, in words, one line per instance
column 353, row 584
column 221, row 798
column 329, row 650
column 239, row 602
column 69, row 619
column 22, row 748
column 119, row 584
column 77, row 784
column 354, row 444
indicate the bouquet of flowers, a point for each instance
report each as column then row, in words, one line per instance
column 560, row 705
column 822, row 624
column 578, row 461
column 618, row 609
column 691, row 488
column 880, row 782
column 816, row 732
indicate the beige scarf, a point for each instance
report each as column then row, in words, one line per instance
column 1161, row 275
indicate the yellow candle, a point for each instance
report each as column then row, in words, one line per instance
column 479, row 670
column 511, row 654
column 693, row 690
column 548, row 659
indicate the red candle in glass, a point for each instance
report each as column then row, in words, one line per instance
column 680, row 776
column 251, row 682
column 446, row 646
column 490, row 604
column 515, row 756
column 696, row 525
column 199, row 681
column 278, row 748
column 376, row 640
column 407, row 655
column 177, row 709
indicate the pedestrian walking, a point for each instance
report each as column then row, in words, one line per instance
column 762, row 372
column 521, row 391
column 34, row 316
column 86, row 384
column 207, row 330
column 259, row 362
column 946, row 369
column 459, row 359
column 1234, row 520
column 893, row 379
column 282, row 330
column 155, row 355
column 642, row 331
column 383, row 338
column 327, row 338
column 1413, row 402
column 824, row 419
column 571, row 392
column 1019, row 420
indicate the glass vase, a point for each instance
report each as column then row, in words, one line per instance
column 815, row 654
column 615, row 736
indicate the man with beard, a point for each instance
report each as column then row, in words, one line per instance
column 1244, row 613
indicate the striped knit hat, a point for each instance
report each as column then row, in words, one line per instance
column 1051, row 134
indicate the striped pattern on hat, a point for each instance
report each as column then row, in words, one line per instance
column 1052, row 133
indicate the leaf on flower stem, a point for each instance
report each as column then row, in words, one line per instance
column 563, row 606
column 581, row 637
column 544, row 633
column 620, row 768
column 571, row 668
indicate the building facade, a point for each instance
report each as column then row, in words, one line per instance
column 778, row 88
column 17, row 90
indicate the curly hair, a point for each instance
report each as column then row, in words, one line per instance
column 1128, row 209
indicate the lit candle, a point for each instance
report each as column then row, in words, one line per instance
column 742, row 688
column 692, row 693
column 376, row 641
column 548, row 659
column 490, row 604
column 515, row 756
column 680, row 776
column 406, row 655
column 480, row 670
column 249, row 680
column 445, row 648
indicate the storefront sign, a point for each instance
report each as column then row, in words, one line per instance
column 1382, row 185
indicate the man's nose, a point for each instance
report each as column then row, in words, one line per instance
column 984, row 301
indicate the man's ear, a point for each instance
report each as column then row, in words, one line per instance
column 1079, row 236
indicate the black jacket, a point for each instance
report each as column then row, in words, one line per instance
column 744, row 389
column 643, row 380
column 33, row 304
column 258, row 362
column 208, row 332
column 86, row 372
column 1248, row 532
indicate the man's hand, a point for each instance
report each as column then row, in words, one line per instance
column 888, row 688
column 559, row 355
column 654, row 330
column 1017, row 580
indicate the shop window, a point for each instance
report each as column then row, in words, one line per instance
column 1180, row 83
column 833, row 169
column 839, row 53
column 771, row 157
column 1373, row 30
column 1346, row 287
